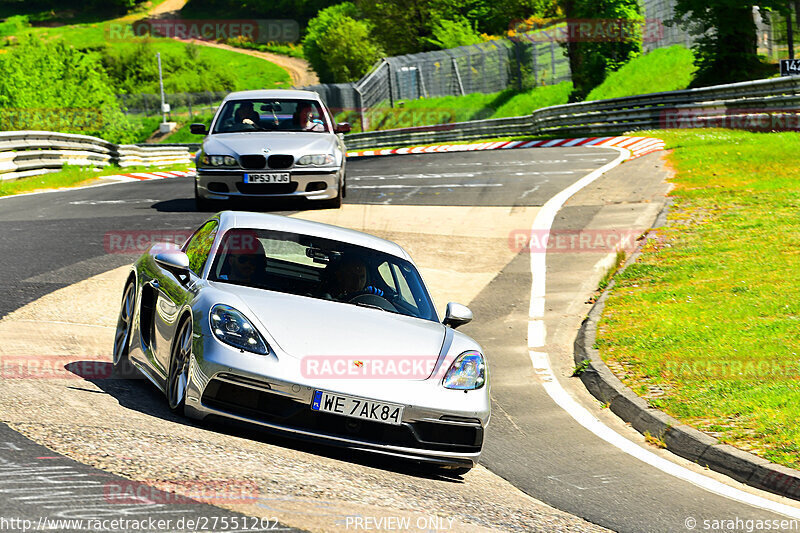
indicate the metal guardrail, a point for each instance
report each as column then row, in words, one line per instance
column 724, row 105
column 29, row 153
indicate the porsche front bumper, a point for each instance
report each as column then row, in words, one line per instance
column 439, row 426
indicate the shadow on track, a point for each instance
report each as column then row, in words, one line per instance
column 140, row 395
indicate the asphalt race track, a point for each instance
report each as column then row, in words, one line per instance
column 458, row 209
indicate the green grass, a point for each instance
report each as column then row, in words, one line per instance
column 447, row 109
column 286, row 49
column 183, row 135
column 710, row 311
column 251, row 72
column 664, row 69
column 71, row 176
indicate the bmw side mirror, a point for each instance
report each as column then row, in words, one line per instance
column 173, row 260
column 456, row 315
column 198, row 129
column 343, row 127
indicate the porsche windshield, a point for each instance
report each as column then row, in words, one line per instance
column 271, row 115
column 323, row 269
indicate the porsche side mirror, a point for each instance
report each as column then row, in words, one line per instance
column 456, row 315
column 342, row 127
column 173, row 260
column 198, row 129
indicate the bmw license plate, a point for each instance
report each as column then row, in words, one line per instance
column 387, row 413
column 272, row 177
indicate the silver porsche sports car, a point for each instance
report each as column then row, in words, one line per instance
column 306, row 328
column 276, row 143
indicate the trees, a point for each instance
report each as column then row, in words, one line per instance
column 726, row 48
column 592, row 56
column 338, row 46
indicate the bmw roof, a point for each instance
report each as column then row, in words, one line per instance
column 273, row 93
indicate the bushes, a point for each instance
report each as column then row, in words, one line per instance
column 134, row 69
column 51, row 86
column 338, row 46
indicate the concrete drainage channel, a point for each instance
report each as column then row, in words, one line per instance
column 679, row 438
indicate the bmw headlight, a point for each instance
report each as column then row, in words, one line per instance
column 231, row 327
column 316, row 159
column 467, row 372
column 219, row 160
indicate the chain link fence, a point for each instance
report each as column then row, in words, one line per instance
column 149, row 104
column 487, row 67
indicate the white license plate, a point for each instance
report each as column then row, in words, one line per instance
column 387, row 413
column 273, row 177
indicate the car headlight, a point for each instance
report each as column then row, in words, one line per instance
column 316, row 159
column 467, row 372
column 231, row 327
column 219, row 160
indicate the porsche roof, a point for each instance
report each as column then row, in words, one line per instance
column 244, row 219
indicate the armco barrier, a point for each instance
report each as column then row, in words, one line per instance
column 716, row 105
column 28, row 153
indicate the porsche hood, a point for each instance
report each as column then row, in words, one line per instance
column 303, row 326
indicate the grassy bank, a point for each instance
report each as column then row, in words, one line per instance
column 71, row 176
column 705, row 324
column 447, row 109
column 664, row 69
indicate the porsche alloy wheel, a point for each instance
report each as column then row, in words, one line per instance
column 179, row 367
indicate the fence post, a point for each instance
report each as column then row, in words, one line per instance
column 458, row 76
column 360, row 107
column 389, row 81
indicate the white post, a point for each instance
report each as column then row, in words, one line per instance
column 161, row 84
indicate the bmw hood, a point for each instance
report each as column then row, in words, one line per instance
column 284, row 142
column 302, row 326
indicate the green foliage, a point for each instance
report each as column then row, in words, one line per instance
column 300, row 10
column 288, row 49
column 13, row 25
column 82, row 100
column 134, row 69
column 454, row 33
column 350, row 50
column 338, row 46
column 725, row 50
column 74, row 7
column 664, row 69
column 592, row 60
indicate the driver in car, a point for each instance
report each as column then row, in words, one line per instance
column 349, row 279
column 246, row 114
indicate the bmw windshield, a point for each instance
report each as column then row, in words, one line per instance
column 271, row 115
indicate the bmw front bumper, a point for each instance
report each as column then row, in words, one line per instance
column 226, row 184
